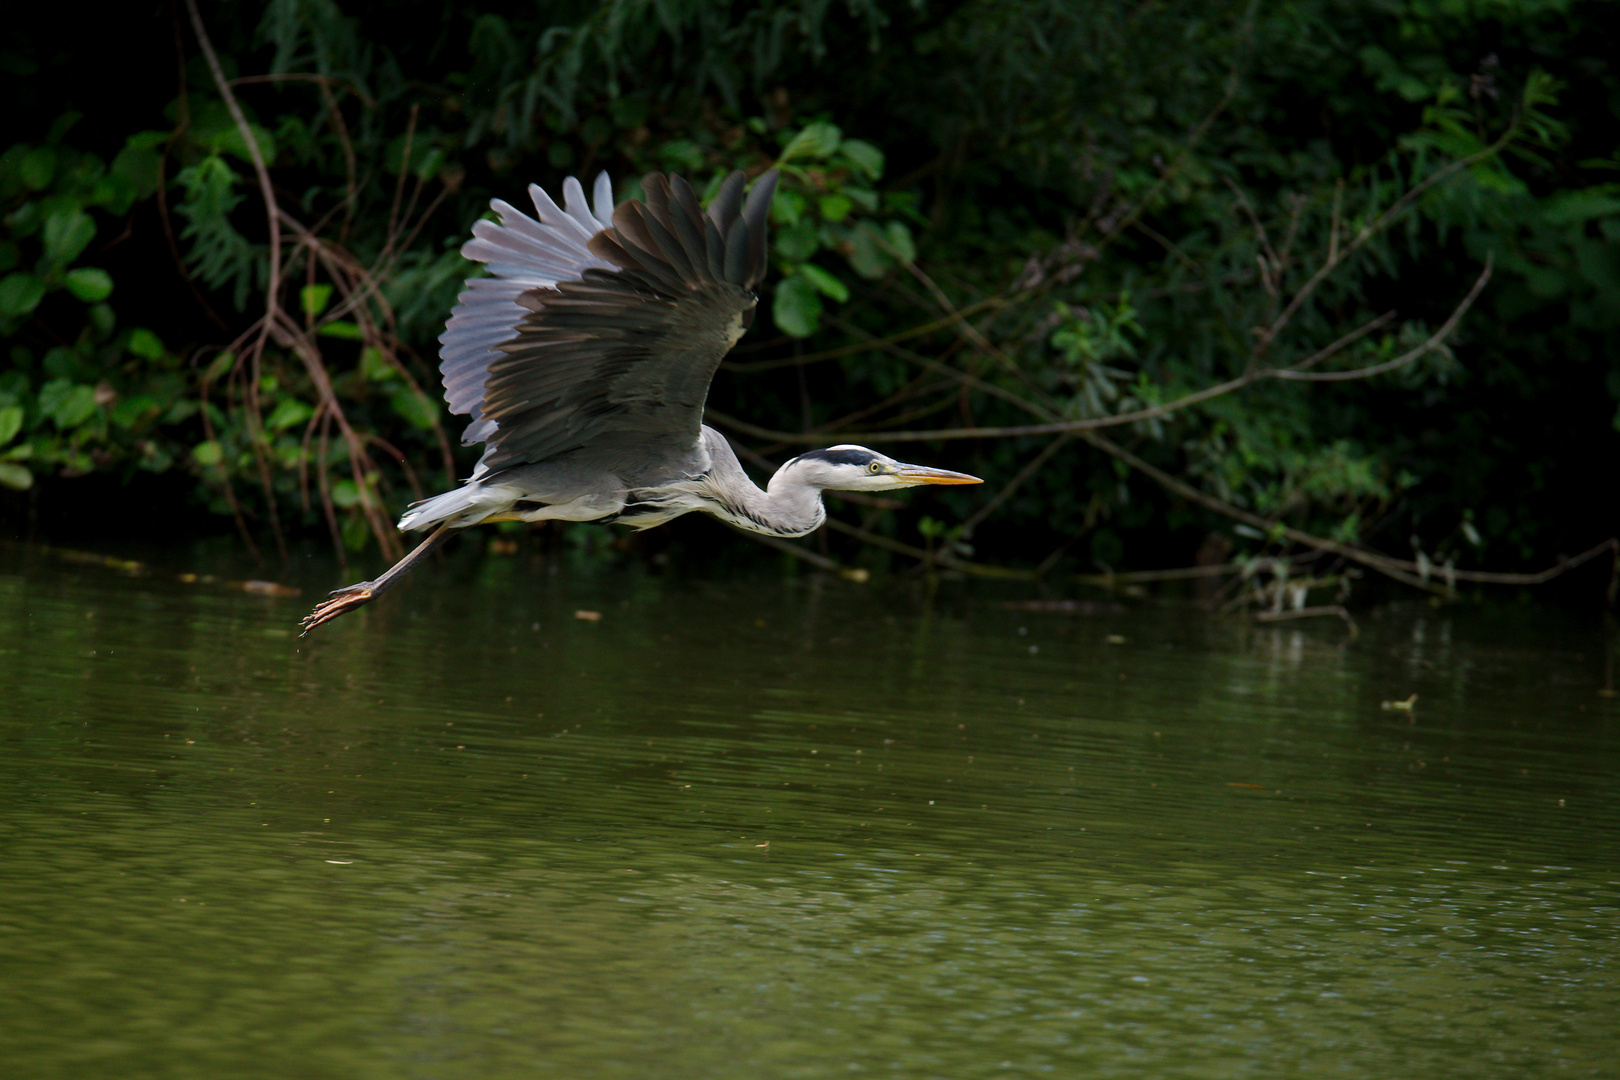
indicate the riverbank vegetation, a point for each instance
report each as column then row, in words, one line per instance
column 1277, row 295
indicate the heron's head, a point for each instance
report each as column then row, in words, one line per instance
column 855, row 468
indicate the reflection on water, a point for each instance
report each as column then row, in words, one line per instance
column 792, row 829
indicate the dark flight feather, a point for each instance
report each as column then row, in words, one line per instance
column 607, row 337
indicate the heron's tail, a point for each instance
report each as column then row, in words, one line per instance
column 466, row 505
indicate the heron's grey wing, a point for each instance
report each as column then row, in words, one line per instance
column 623, row 353
column 522, row 254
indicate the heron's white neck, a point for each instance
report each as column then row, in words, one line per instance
column 790, row 505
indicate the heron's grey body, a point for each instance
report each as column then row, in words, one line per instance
column 619, row 485
column 584, row 361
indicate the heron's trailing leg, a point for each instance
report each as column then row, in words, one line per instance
column 346, row 599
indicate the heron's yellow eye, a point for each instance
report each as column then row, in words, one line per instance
column 876, row 466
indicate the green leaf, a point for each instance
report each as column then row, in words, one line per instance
column 682, row 154
column 1576, row 207
column 38, row 166
column 135, row 170
column 429, row 164
column 864, row 156
column 797, row 309
column 835, row 207
column 20, row 294
column 208, row 454
column 146, row 345
column 89, row 284
column 356, row 532
column 868, row 251
column 182, row 410
column 415, row 408
column 816, row 141
column 129, row 411
column 61, row 125
column 62, row 362
column 899, row 238
column 16, row 477
column 797, row 242
column 288, row 412
column 102, row 321
column 66, row 403
column 14, row 384
column 374, row 365
column 68, row 232
column 342, row 328
column 787, row 208
column 825, row 283
column 425, row 161
column 1390, row 76
column 864, row 198
column 221, row 366
column 628, row 112
column 230, row 141
column 11, row 418
column 345, row 494
column 314, row 299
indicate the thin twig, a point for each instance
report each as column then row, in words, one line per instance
column 1337, row 610
column 975, row 569
column 1375, row 228
column 260, row 170
column 1196, row 136
column 325, row 82
column 1031, row 467
column 1402, row 570
column 798, row 551
column 1058, row 427
column 1407, row 357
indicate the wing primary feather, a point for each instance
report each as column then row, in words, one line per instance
column 655, row 194
column 602, row 200
column 576, row 206
column 736, row 252
column 630, row 223
column 606, row 245
column 685, row 198
column 668, row 245
column 757, row 214
column 715, row 244
column 727, row 200
column 555, row 216
column 688, row 221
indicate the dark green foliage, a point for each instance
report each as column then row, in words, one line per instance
column 994, row 215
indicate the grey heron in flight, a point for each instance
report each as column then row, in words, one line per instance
column 584, row 360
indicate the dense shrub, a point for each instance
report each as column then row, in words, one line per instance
column 995, row 216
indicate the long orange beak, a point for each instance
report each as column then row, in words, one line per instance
column 922, row 474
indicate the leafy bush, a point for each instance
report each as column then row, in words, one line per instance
column 1172, row 272
column 100, row 396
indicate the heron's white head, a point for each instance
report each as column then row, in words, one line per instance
column 855, row 468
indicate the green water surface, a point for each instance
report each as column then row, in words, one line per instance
column 794, row 828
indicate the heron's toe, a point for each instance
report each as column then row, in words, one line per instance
column 340, row 602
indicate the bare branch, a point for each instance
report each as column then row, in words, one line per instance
column 1402, row 570
column 1373, row 229
column 1336, row 610
column 1031, row 467
column 1407, row 357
